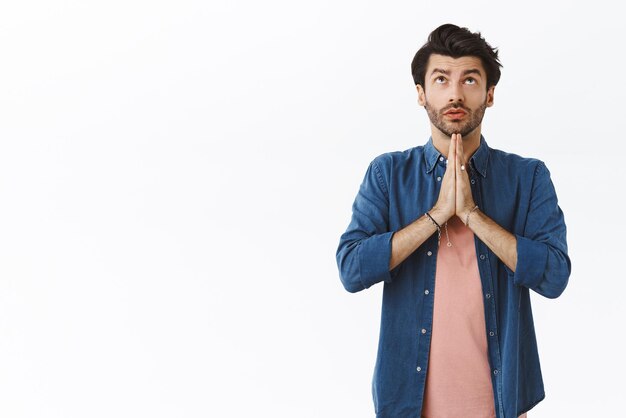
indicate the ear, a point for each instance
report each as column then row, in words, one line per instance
column 421, row 95
column 490, row 96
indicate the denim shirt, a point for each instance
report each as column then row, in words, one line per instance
column 515, row 192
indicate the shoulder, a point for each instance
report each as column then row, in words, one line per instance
column 392, row 160
column 514, row 163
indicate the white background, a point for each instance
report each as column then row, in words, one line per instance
column 175, row 176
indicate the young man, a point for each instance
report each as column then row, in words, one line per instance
column 459, row 232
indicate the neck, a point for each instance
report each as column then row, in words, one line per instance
column 441, row 141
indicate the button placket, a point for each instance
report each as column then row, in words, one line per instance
column 485, row 274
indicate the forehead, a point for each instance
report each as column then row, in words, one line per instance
column 454, row 65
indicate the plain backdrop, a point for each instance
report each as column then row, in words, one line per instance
column 175, row 176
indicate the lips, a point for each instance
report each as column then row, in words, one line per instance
column 457, row 112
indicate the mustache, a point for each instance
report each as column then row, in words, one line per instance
column 455, row 106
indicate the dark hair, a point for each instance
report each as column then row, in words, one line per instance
column 456, row 42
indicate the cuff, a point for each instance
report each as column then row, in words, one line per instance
column 374, row 257
column 532, row 257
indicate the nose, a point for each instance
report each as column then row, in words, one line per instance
column 456, row 93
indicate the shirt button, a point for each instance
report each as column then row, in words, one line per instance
column 429, row 253
column 419, row 369
column 488, row 295
column 495, row 371
column 426, row 292
column 482, row 256
column 423, row 331
column 491, row 333
column 438, row 178
column 473, row 181
column 440, row 158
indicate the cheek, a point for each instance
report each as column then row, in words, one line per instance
column 481, row 98
column 434, row 99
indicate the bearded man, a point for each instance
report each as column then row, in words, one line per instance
column 459, row 233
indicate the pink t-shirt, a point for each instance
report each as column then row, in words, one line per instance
column 458, row 379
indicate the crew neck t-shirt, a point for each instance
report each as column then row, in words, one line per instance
column 458, row 380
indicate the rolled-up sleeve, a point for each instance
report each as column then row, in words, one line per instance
column 364, row 249
column 542, row 261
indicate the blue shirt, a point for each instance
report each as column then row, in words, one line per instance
column 518, row 194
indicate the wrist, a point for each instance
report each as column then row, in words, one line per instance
column 439, row 215
column 468, row 214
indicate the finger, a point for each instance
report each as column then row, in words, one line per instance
column 459, row 151
column 451, row 147
column 452, row 154
column 449, row 165
column 458, row 156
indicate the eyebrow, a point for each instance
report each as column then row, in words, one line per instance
column 466, row 72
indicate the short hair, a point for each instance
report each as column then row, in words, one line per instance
column 456, row 42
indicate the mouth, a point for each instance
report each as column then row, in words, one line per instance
column 454, row 110
column 455, row 114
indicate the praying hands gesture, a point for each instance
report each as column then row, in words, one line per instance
column 455, row 196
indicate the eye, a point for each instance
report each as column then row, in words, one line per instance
column 471, row 78
column 442, row 77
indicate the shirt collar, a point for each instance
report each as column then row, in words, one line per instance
column 480, row 157
column 478, row 160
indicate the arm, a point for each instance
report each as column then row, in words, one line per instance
column 368, row 252
column 542, row 261
column 498, row 239
column 409, row 238
column 538, row 259
column 365, row 247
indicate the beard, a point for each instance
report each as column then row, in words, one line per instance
column 464, row 127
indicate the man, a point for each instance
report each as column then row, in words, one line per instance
column 458, row 232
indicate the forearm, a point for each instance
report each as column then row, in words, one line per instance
column 498, row 239
column 405, row 241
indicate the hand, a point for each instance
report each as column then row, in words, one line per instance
column 464, row 202
column 444, row 209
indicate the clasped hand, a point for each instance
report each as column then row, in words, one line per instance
column 455, row 196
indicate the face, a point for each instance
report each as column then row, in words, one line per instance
column 457, row 85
